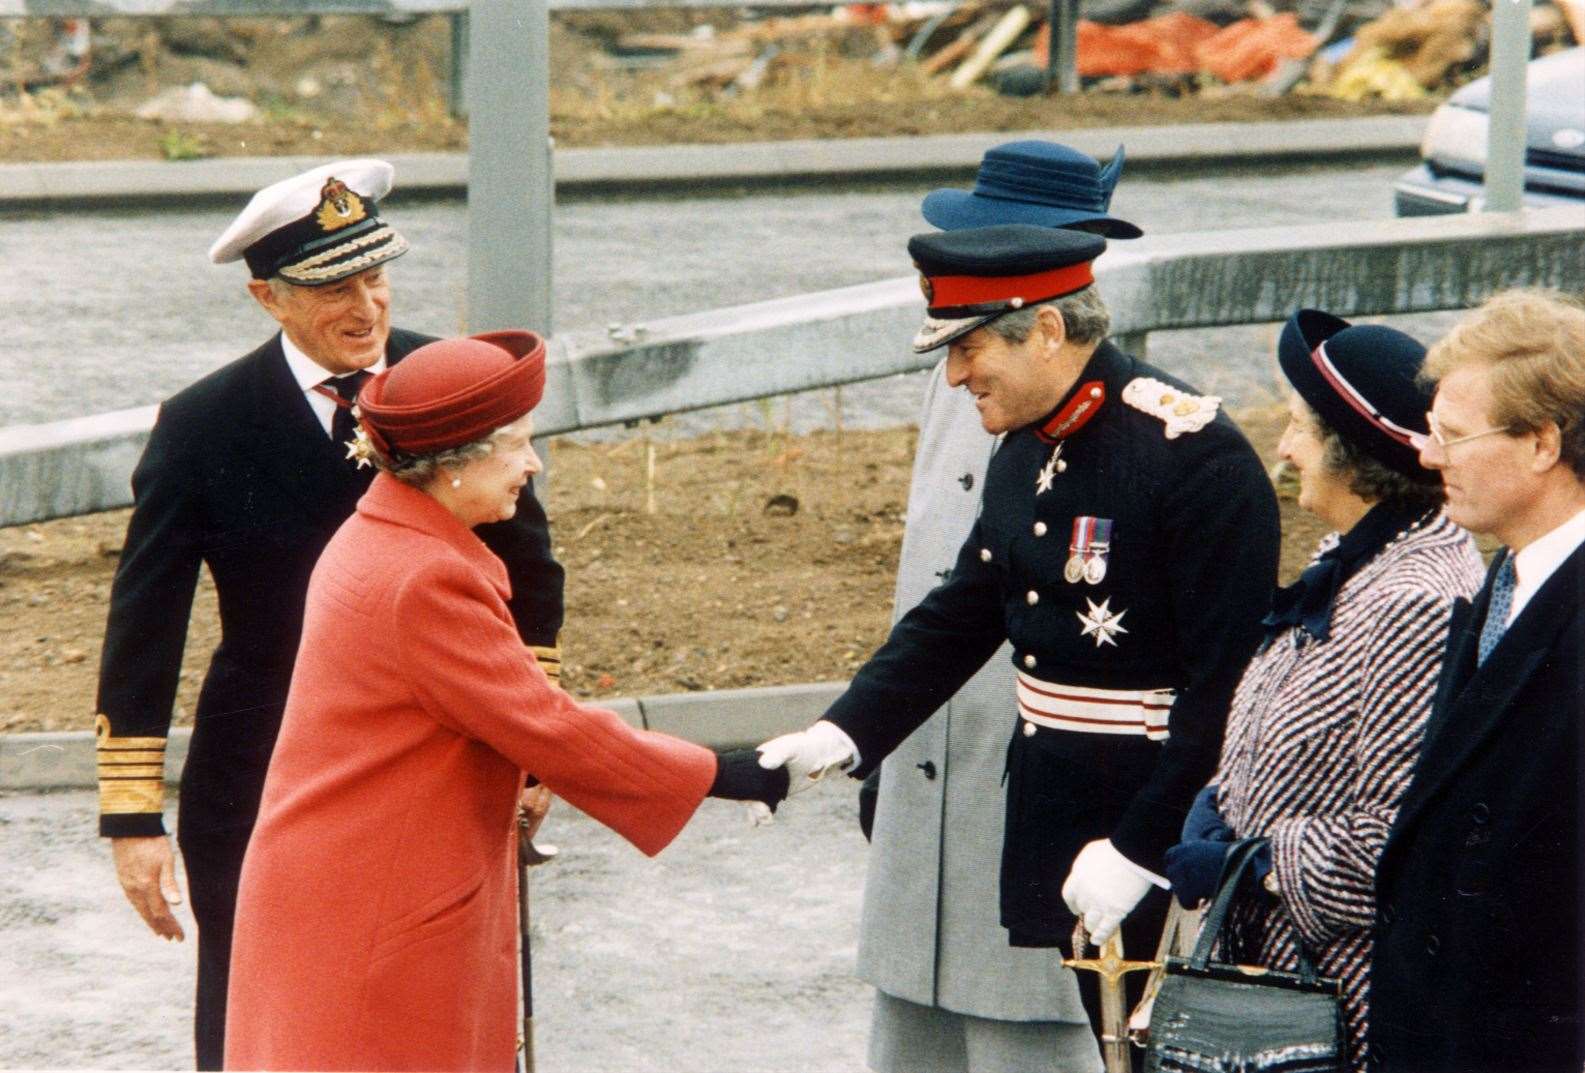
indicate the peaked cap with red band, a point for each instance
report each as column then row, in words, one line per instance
column 971, row 277
column 453, row 391
column 1363, row 381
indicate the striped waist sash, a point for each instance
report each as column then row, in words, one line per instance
column 1095, row 711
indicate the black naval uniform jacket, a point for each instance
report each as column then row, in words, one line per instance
column 1478, row 958
column 1190, row 572
column 239, row 475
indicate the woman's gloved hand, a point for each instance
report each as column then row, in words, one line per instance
column 1194, row 867
column 1204, row 822
column 739, row 777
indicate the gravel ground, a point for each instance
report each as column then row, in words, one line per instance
column 732, row 952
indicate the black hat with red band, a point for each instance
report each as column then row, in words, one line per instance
column 1363, row 381
column 973, row 276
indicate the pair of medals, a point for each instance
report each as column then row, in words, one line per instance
column 1087, row 552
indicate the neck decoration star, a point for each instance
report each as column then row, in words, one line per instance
column 1048, row 472
column 361, row 448
column 1100, row 623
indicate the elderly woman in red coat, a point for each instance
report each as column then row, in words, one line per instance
column 376, row 924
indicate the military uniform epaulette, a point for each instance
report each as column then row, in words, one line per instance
column 1179, row 410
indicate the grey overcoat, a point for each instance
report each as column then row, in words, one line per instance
column 930, row 931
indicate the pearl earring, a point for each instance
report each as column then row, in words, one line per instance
column 456, row 482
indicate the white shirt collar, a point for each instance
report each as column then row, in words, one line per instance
column 306, row 371
column 1540, row 559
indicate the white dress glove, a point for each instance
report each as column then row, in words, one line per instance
column 809, row 755
column 1103, row 888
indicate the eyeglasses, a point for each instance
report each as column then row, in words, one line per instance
column 1420, row 442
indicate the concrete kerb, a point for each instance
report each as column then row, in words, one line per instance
column 722, row 719
column 941, row 156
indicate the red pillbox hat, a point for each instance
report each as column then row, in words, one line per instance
column 453, row 391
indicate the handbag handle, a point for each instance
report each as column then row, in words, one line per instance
column 1238, row 862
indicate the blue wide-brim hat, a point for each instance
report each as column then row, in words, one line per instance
column 1363, row 381
column 1034, row 182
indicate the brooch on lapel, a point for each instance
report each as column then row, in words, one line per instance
column 1181, row 411
column 1048, row 472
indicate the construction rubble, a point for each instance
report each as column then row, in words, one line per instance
column 1350, row 49
column 1353, row 50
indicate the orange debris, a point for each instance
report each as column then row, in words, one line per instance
column 1251, row 48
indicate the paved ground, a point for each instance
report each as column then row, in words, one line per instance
column 732, row 952
column 107, row 310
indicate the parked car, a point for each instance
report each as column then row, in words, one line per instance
column 1453, row 154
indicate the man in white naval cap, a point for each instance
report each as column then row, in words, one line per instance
column 247, row 472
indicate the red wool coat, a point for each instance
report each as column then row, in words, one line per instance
column 376, row 926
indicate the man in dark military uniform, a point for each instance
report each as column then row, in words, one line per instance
column 1126, row 548
column 247, row 472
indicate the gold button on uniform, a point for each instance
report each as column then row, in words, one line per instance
column 1029, row 661
column 985, row 555
column 1029, row 730
column 1040, row 529
column 1033, row 597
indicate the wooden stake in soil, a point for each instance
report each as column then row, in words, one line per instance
column 649, row 476
column 996, row 42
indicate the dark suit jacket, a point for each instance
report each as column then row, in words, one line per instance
column 239, row 475
column 1478, row 953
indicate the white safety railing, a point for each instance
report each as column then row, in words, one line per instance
column 859, row 333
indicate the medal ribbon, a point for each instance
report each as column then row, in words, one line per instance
column 1091, row 536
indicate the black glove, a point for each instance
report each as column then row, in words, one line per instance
column 1204, row 822
column 869, row 794
column 738, row 777
column 1194, row 867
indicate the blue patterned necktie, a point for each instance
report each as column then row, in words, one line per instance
column 1497, row 612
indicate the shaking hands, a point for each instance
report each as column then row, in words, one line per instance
column 809, row 755
column 783, row 766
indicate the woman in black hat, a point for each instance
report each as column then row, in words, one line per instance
column 1326, row 723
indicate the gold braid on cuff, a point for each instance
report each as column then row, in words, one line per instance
column 549, row 658
column 131, row 772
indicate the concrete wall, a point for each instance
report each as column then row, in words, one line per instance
column 859, row 333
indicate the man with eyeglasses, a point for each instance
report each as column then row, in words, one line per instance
column 1479, row 948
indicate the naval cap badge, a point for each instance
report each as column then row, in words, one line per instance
column 338, row 206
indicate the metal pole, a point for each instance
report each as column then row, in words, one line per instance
column 459, row 64
column 1505, row 145
column 511, row 192
column 1062, row 20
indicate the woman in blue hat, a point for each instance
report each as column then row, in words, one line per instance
column 1326, row 723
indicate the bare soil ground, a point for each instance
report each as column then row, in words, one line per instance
column 352, row 85
column 707, row 590
column 710, row 591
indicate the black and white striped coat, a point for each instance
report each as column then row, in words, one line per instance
column 1321, row 742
